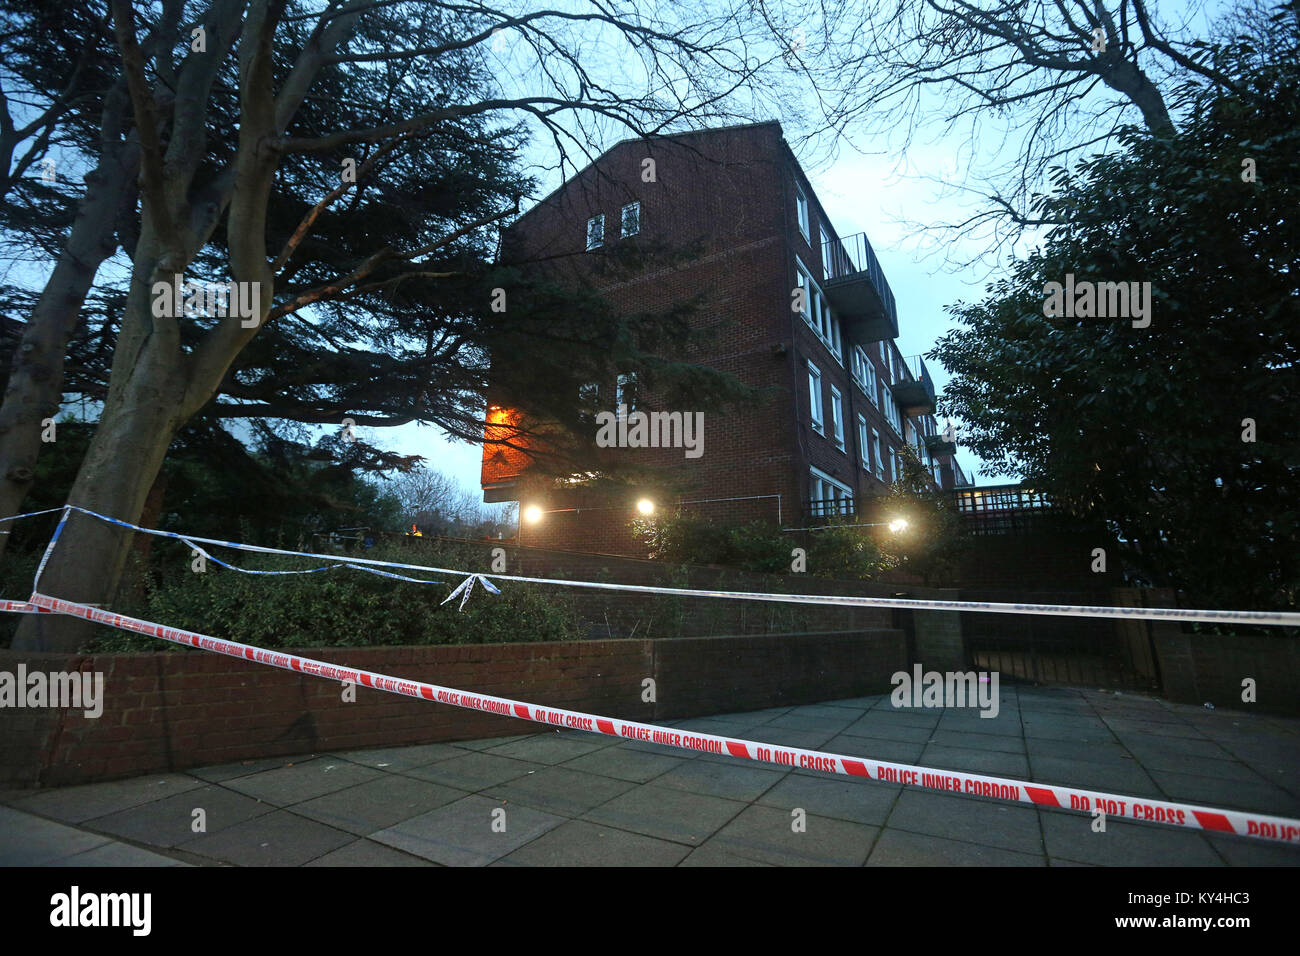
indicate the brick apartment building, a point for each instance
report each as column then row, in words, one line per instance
column 847, row 399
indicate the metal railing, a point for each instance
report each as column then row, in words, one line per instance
column 1003, row 509
column 830, row 507
column 916, row 368
column 852, row 255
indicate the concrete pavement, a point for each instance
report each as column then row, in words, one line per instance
column 574, row 798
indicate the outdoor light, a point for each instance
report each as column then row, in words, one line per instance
column 645, row 506
column 532, row 514
column 897, row 525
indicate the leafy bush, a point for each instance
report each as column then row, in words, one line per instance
column 341, row 607
column 840, row 551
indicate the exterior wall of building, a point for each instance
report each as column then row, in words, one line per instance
column 726, row 202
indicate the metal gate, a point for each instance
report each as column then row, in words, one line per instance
column 1082, row 652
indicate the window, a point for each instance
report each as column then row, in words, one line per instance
column 589, row 394
column 877, row 457
column 891, row 412
column 826, row 496
column 627, row 391
column 837, row 417
column 865, row 374
column 802, row 202
column 631, row 219
column 864, row 444
column 826, row 255
column 815, row 398
column 817, row 313
column 595, row 232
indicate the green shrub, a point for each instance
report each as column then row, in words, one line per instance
column 339, row 607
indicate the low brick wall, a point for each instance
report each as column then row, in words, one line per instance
column 171, row 711
column 1209, row 668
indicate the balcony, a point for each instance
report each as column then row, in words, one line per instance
column 856, row 288
column 829, row 508
column 916, row 392
column 938, row 445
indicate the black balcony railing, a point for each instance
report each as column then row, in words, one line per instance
column 858, row 290
column 830, row 508
column 916, row 392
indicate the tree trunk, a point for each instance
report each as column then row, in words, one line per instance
column 145, row 407
column 35, row 386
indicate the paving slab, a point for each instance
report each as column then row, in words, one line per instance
column 113, row 854
column 474, row 771
column 1120, row 778
column 895, row 751
column 279, row 838
column 625, row 763
column 857, row 801
column 770, row 835
column 368, row 853
column 721, row 780
column 227, row 771
column 33, row 841
column 545, row 748
column 401, row 758
column 172, row 820
column 559, row 790
column 286, row 786
column 902, row 848
column 579, row 843
column 991, row 762
column 87, row 801
column 468, row 832
column 888, row 730
column 1071, row 837
column 677, row 815
column 377, row 804
column 987, row 822
column 711, row 856
column 1238, row 794
column 1002, row 743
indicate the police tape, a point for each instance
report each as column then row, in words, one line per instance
column 21, row 607
column 1139, row 809
column 1266, row 618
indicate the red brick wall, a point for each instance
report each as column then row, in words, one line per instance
column 731, row 195
column 176, row 710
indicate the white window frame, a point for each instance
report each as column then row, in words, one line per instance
column 892, row 413
column 837, row 417
column 622, row 220
column 822, row 487
column 817, row 312
column 864, row 443
column 877, row 456
column 597, row 233
column 815, row 409
column 864, row 373
column 801, row 203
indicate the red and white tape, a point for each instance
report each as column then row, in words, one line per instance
column 1141, row 809
column 20, row 607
